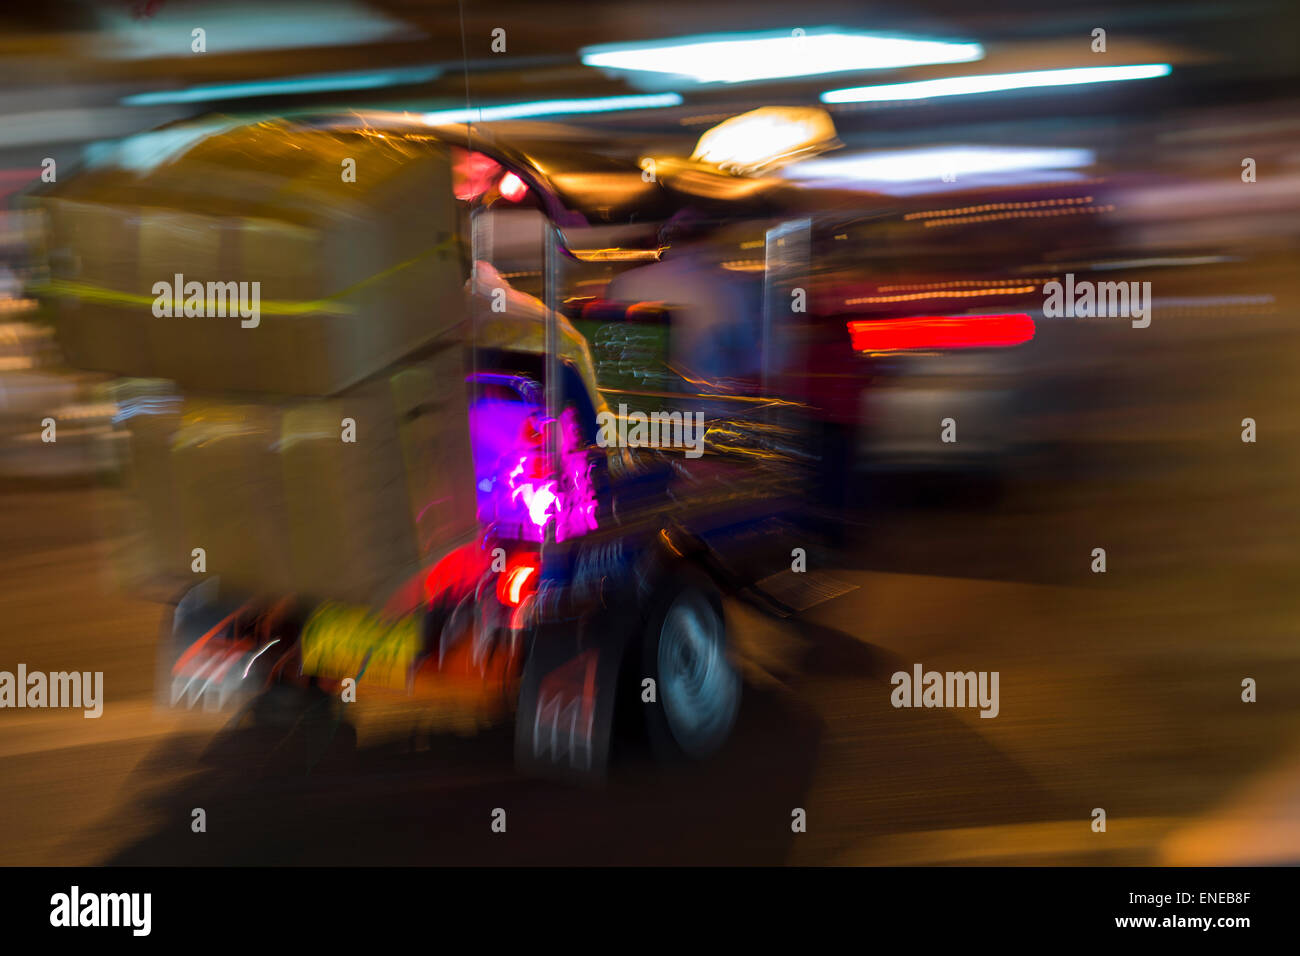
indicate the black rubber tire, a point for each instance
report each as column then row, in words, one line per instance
column 697, row 684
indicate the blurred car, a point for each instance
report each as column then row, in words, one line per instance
column 42, row 399
column 940, row 300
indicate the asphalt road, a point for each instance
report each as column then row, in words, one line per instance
column 1119, row 691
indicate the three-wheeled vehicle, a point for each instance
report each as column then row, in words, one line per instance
column 372, row 462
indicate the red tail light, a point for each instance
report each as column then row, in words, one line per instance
column 518, row 581
column 935, row 332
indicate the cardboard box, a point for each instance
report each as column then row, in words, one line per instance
column 350, row 277
column 281, row 503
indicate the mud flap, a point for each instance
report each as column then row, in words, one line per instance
column 564, row 725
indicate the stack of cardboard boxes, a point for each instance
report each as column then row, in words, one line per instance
column 320, row 446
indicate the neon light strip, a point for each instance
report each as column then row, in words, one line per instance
column 602, row 104
column 288, row 86
column 992, row 83
column 741, row 59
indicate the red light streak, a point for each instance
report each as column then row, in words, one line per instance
column 935, row 332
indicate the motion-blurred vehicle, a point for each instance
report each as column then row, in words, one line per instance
column 387, row 484
column 940, row 298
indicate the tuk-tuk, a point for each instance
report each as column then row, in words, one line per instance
column 371, row 462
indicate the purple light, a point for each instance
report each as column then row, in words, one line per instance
column 513, row 491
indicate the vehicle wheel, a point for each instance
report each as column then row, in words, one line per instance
column 684, row 649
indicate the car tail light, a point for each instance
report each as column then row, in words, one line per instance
column 937, row 332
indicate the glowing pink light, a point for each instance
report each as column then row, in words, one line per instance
column 538, row 501
column 512, row 187
column 520, row 481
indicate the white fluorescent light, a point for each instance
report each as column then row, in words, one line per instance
column 916, row 165
column 960, row 85
column 290, row 85
column 602, row 104
column 741, row 59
